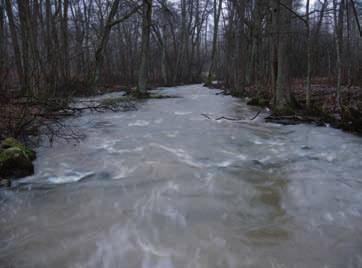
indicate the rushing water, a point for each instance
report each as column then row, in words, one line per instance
column 164, row 187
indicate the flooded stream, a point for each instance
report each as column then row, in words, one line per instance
column 164, row 186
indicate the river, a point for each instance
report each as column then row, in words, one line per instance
column 164, row 186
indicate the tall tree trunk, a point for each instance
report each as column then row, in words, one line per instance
column 338, row 21
column 164, row 43
column 99, row 54
column 241, row 46
column 105, row 34
column 25, row 37
column 253, row 66
column 15, row 43
column 309, row 57
column 181, row 53
column 48, row 39
column 3, row 55
column 65, row 47
column 312, row 39
column 230, row 50
column 348, row 44
column 145, row 46
column 217, row 12
column 274, row 42
column 282, row 94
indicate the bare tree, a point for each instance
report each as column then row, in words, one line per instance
column 282, row 93
column 338, row 22
column 145, row 45
column 15, row 43
column 3, row 72
column 110, row 23
column 312, row 39
column 217, row 11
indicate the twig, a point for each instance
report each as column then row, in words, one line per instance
column 222, row 117
column 255, row 116
column 208, row 117
column 228, row 118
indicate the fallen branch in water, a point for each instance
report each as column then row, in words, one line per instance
column 245, row 123
column 228, row 118
column 224, row 92
column 208, row 117
column 255, row 116
column 221, row 117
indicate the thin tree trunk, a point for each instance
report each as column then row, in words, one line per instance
column 3, row 56
column 99, row 54
column 217, row 11
column 309, row 57
column 274, row 47
column 145, row 46
column 338, row 21
column 283, row 97
column 348, row 44
column 312, row 39
column 66, row 64
column 15, row 43
column 24, row 36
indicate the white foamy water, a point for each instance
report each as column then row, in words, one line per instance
column 73, row 177
column 139, row 123
column 182, row 113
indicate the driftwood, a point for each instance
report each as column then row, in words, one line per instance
column 231, row 118
column 256, row 115
column 227, row 118
column 245, row 122
column 208, row 117
column 222, row 117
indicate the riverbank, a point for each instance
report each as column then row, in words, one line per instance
column 323, row 110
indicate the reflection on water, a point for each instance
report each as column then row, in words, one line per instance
column 164, row 187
